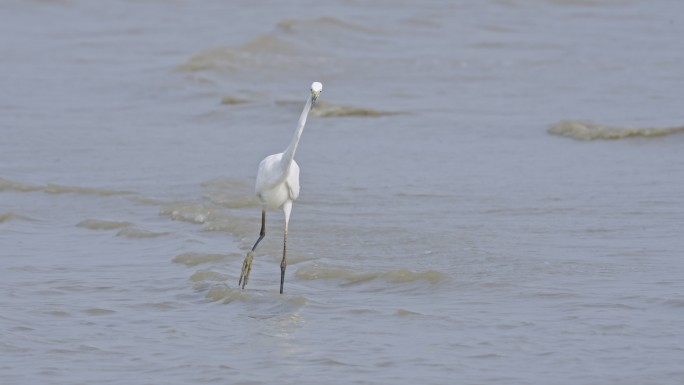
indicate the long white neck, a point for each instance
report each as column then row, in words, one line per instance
column 289, row 153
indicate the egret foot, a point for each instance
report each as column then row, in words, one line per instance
column 246, row 269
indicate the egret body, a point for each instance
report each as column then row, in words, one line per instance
column 277, row 186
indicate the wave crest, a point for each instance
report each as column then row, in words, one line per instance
column 189, row 212
column 581, row 130
column 51, row 188
column 8, row 216
column 227, row 294
column 208, row 275
column 230, row 193
column 262, row 51
column 134, row 232
column 328, row 110
column 97, row 224
column 326, row 22
column 6, row 184
column 400, row 276
column 193, row 259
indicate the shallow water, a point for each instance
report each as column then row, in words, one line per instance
column 442, row 234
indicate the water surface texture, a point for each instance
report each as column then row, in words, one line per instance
column 492, row 192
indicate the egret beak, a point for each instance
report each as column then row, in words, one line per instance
column 316, row 88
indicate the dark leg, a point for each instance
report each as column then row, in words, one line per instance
column 247, row 264
column 283, row 263
column 262, row 233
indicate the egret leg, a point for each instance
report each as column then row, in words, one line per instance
column 283, row 263
column 287, row 208
column 247, row 264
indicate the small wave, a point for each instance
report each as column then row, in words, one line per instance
column 6, row 184
column 590, row 131
column 53, row 188
column 406, row 276
column 97, row 224
column 221, row 227
column 166, row 305
column 237, row 227
column 675, row 303
column 400, row 276
column 329, row 110
column 189, row 212
column 61, row 189
column 126, row 229
column 232, row 100
column 290, row 46
column 406, row 313
column 227, row 294
column 99, row 311
column 267, row 304
column 230, row 193
column 208, row 275
column 257, row 52
column 297, row 25
column 58, row 313
column 193, row 259
column 315, row 272
column 151, row 201
column 209, row 60
column 8, row 216
column 326, row 110
column 134, row 232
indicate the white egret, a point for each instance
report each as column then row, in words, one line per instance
column 277, row 186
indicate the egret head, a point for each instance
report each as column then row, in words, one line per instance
column 316, row 89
